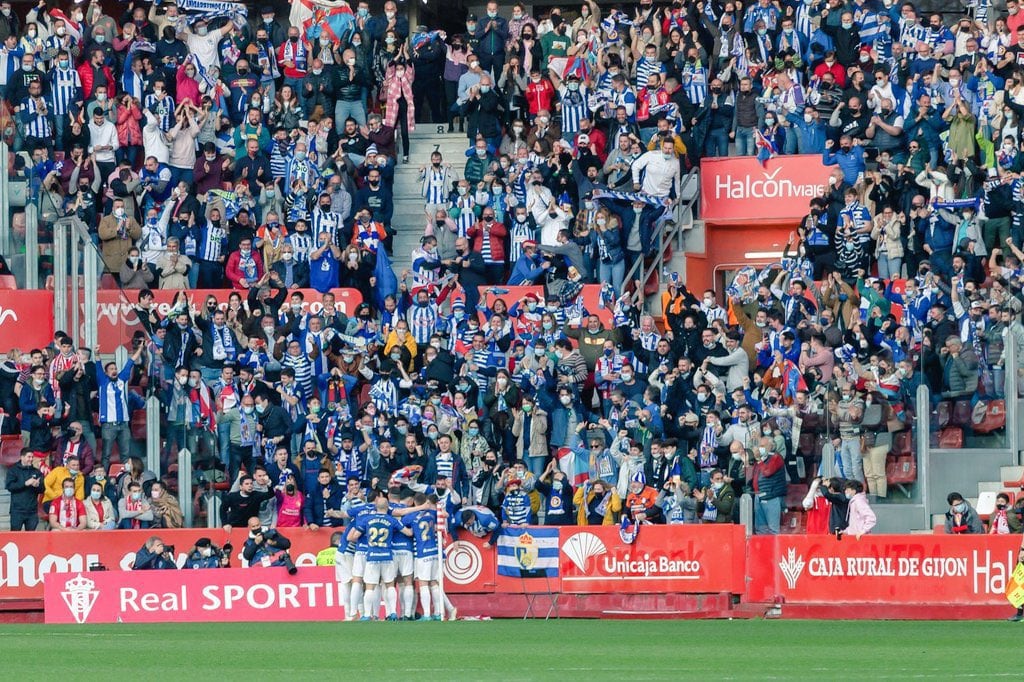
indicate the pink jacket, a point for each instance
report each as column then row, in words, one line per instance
column 188, row 88
column 859, row 516
column 392, row 89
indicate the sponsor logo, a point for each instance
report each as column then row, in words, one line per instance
column 792, row 566
column 8, row 314
column 80, row 595
column 462, row 563
column 28, row 571
column 745, row 186
column 580, row 547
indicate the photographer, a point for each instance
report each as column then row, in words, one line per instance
column 266, row 547
column 205, row 554
column 154, row 555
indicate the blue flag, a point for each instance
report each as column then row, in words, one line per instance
column 387, row 282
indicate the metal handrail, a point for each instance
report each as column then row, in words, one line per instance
column 673, row 232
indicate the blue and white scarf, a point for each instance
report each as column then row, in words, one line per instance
column 205, row 10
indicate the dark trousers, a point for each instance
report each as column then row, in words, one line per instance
column 402, row 127
column 493, row 63
column 428, row 93
column 24, row 520
column 211, row 274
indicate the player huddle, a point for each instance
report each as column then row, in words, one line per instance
column 391, row 541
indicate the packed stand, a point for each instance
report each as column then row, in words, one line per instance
column 260, row 157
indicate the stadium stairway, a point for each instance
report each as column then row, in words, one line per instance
column 409, row 219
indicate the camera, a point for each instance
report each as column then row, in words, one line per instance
column 169, row 549
column 286, row 559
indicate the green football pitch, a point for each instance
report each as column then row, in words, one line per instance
column 515, row 650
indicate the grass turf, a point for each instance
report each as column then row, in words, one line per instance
column 517, row 650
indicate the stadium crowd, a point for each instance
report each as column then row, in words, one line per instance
column 208, row 151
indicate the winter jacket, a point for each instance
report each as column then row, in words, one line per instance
column 24, row 499
column 860, row 519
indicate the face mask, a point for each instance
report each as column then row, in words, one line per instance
column 350, row 61
column 101, row 97
column 202, row 31
column 769, row 121
column 847, row 25
column 565, row 400
column 136, row 496
column 69, row 492
column 481, row 153
column 260, row 409
column 849, row 495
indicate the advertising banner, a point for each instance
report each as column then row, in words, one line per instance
column 737, row 189
column 26, row 558
column 882, row 569
column 116, row 319
column 684, row 558
column 204, row 595
column 26, row 319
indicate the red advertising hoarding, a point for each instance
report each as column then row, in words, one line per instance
column 26, row 558
column 738, row 189
column 116, row 319
column 683, row 558
column 212, row 595
column 882, row 569
column 26, row 319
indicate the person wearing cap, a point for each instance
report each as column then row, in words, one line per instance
column 516, row 507
column 641, row 505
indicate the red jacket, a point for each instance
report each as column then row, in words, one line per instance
column 837, row 70
column 540, row 95
column 234, row 273
column 498, row 235
column 85, row 73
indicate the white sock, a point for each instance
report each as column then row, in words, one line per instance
column 435, row 594
column 425, row 599
column 344, row 598
column 355, row 599
column 371, row 602
column 408, row 600
column 390, row 600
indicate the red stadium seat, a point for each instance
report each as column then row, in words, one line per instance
column 10, row 450
column 795, row 494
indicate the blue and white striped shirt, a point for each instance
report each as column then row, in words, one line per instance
column 303, row 370
column 302, row 245
column 436, row 182
column 213, row 240
column 65, row 88
column 162, row 108
column 422, row 322
column 113, row 394
column 574, row 108
column 326, row 221
column 36, row 125
column 695, row 80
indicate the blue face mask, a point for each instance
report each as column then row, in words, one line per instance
column 473, row 432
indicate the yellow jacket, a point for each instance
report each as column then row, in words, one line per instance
column 410, row 345
column 54, row 484
column 611, row 514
